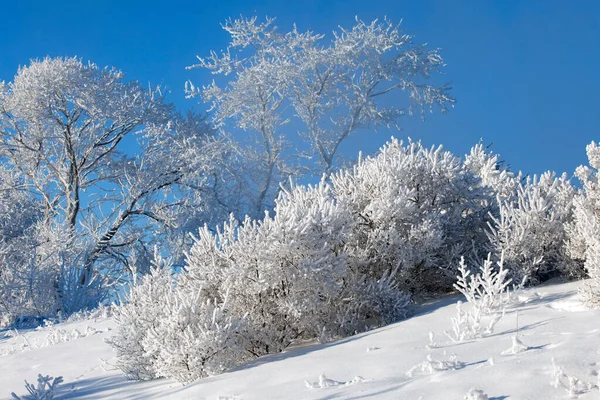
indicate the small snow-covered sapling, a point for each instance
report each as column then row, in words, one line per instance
column 574, row 386
column 44, row 390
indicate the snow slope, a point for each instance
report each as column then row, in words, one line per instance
column 393, row 362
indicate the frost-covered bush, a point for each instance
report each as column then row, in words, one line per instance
column 584, row 241
column 530, row 229
column 573, row 385
column 291, row 273
column 431, row 366
column 165, row 331
column 494, row 175
column 415, row 211
column 487, row 295
column 488, row 290
column 475, row 394
column 197, row 338
column 144, row 308
column 44, row 389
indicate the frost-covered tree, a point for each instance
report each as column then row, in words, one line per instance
column 584, row 240
column 287, row 82
column 113, row 171
column 61, row 123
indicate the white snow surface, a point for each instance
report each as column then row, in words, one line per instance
column 552, row 324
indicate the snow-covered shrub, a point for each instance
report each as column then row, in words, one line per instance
column 530, row 229
column 291, row 273
column 44, row 389
column 266, row 266
column 516, row 347
column 488, row 289
column 487, row 294
column 144, row 308
column 487, row 166
column 584, row 240
column 325, row 382
column 165, row 330
column 197, row 338
column 333, row 259
column 415, row 210
column 338, row 257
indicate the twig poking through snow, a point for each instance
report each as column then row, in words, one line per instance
column 475, row 394
column 517, row 347
column 431, row 366
column 571, row 384
column 326, row 382
column 432, row 344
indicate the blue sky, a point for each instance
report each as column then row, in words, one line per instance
column 525, row 73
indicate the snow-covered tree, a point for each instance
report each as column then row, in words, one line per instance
column 288, row 82
column 113, row 171
column 584, row 240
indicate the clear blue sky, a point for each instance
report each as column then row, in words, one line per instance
column 525, row 73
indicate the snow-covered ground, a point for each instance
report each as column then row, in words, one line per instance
column 559, row 358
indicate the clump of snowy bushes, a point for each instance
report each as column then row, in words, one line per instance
column 333, row 259
column 349, row 254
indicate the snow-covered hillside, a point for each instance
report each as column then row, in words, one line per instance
column 560, row 358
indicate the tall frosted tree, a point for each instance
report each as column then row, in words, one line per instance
column 112, row 168
column 326, row 90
